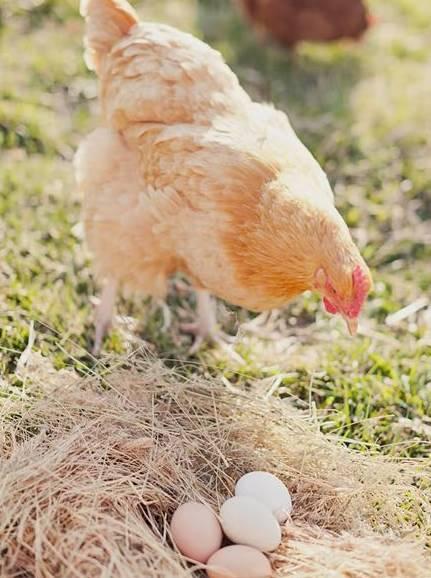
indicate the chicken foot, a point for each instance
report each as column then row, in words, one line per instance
column 104, row 312
column 205, row 327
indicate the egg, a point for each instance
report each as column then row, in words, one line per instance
column 238, row 562
column 268, row 489
column 196, row 531
column 249, row 522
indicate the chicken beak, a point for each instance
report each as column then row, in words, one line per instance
column 352, row 325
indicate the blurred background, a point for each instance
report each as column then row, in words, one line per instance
column 361, row 106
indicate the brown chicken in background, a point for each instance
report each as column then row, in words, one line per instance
column 187, row 174
column 289, row 22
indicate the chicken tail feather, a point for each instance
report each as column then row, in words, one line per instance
column 107, row 21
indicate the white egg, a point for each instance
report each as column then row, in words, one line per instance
column 196, row 531
column 238, row 562
column 249, row 522
column 268, row 489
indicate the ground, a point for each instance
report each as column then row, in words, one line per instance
column 363, row 110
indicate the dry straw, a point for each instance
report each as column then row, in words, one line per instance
column 91, row 471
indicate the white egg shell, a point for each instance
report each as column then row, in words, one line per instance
column 238, row 562
column 268, row 489
column 196, row 531
column 249, row 522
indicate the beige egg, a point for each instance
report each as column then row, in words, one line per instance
column 196, row 531
column 249, row 522
column 238, row 562
column 268, row 489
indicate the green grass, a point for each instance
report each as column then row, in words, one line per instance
column 363, row 109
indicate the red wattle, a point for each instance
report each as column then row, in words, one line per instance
column 330, row 308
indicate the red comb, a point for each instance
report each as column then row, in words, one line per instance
column 361, row 287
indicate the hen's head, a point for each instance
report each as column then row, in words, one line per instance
column 284, row 235
column 344, row 291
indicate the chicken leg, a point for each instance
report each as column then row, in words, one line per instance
column 104, row 314
column 205, row 327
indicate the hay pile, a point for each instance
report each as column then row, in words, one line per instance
column 91, row 471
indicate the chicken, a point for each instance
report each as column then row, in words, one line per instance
column 187, row 174
column 292, row 21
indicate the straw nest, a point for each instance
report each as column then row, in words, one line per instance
column 91, row 471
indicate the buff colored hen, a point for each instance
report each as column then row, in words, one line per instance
column 187, row 174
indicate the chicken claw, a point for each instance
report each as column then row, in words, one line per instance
column 205, row 328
